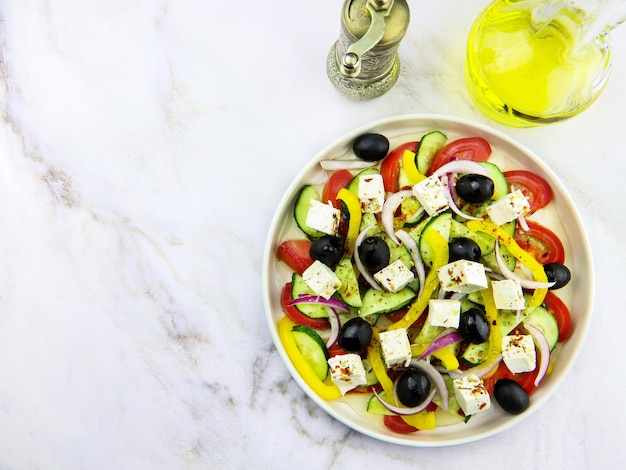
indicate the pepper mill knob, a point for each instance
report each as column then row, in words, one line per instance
column 364, row 63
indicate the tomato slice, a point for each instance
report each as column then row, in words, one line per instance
column 525, row 379
column 296, row 253
column 561, row 314
column 397, row 424
column 535, row 188
column 336, row 181
column 541, row 242
column 469, row 148
column 390, row 167
column 296, row 315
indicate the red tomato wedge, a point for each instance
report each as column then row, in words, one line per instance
column 535, row 188
column 296, row 315
column 561, row 314
column 525, row 379
column 296, row 254
column 469, row 148
column 390, row 167
column 397, row 424
column 337, row 180
column 541, row 242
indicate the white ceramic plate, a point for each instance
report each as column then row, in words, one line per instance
column 561, row 216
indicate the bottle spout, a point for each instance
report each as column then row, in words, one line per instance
column 607, row 15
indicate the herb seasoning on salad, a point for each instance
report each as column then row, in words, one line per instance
column 419, row 280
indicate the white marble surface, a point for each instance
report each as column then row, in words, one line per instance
column 133, row 219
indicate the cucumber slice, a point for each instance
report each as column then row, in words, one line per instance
column 460, row 230
column 301, row 210
column 298, row 288
column 408, row 207
column 429, row 145
column 349, row 290
column 397, row 252
column 312, row 347
column 375, row 407
column 542, row 319
column 377, row 302
column 500, row 185
column 509, row 260
column 428, row 333
column 474, row 354
column 370, row 376
column 353, row 186
column 441, row 224
column 368, row 219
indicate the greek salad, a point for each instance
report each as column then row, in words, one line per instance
column 421, row 281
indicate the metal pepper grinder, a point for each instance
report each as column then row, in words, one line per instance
column 364, row 63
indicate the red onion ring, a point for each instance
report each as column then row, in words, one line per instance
column 525, row 283
column 334, row 165
column 452, row 203
column 359, row 264
column 319, row 300
column 389, row 209
column 484, row 369
column 408, row 241
column 446, row 338
column 335, row 326
column 544, row 351
column 406, row 411
column 436, row 378
column 462, row 166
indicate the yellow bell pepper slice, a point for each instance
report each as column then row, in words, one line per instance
column 520, row 254
column 378, row 366
column 423, row 420
column 408, row 163
column 447, row 358
column 323, row 390
column 354, row 209
column 495, row 337
column 440, row 258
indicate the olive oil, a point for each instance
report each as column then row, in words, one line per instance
column 526, row 66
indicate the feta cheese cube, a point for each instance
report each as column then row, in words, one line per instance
column 508, row 295
column 471, row 394
column 347, row 371
column 395, row 347
column 508, row 207
column 444, row 312
column 431, row 195
column 518, row 353
column 323, row 217
column 462, row 276
column 394, row 276
column 321, row 279
column 371, row 193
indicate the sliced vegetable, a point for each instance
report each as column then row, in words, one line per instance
column 323, row 390
column 430, row 144
column 354, row 209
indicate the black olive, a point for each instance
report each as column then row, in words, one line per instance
column 371, row 147
column 511, row 396
column 473, row 326
column 374, row 253
column 474, row 188
column 355, row 335
column 413, row 387
column 328, row 249
column 464, row 248
column 557, row 272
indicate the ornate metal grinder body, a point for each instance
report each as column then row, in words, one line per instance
column 364, row 63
